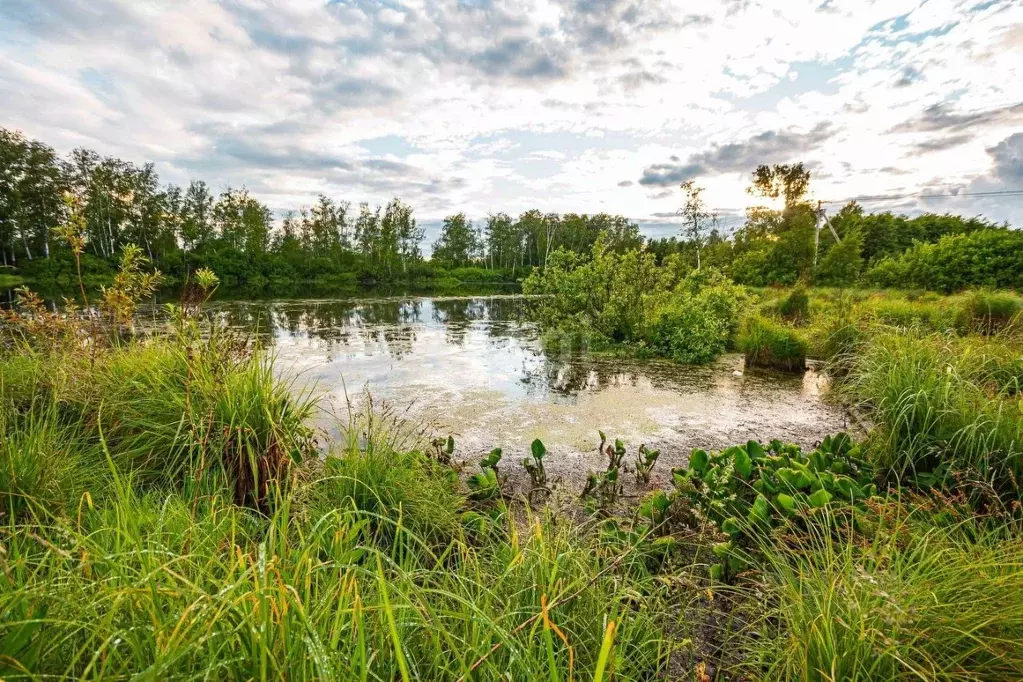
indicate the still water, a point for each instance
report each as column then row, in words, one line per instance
column 474, row 368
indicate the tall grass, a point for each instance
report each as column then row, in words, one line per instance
column 370, row 564
column 916, row 602
column 766, row 343
column 943, row 404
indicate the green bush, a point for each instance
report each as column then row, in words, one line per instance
column 795, row 307
column 700, row 321
column 842, row 264
column 766, row 343
column 985, row 258
column 599, row 297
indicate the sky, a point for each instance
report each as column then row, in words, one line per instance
column 487, row 106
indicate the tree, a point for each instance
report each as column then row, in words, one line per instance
column 842, row 264
column 790, row 181
column 196, row 223
column 367, row 233
column 694, row 217
column 399, row 218
column 458, row 243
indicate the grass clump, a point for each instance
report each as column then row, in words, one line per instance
column 914, row 602
column 795, row 307
column 766, row 343
column 943, row 405
column 990, row 311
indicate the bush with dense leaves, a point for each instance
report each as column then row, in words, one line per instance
column 985, row 258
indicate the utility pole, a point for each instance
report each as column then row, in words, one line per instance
column 822, row 217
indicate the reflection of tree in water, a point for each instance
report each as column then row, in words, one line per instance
column 573, row 373
column 374, row 326
column 457, row 315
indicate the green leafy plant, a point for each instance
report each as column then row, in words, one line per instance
column 606, row 487
column 487, row 484
column 745, row 491
column 645, row 461
column 443, row 449
column 534, row 464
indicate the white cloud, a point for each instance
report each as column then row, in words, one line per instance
column 486, row 105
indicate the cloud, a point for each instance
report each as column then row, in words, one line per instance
column 909, row 76
column 625, row 183
column 1007, row 156
column 939, row 144
column 486, row 105
column 942, row 118
column 770, row 146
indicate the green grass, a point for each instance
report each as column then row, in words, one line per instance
column 943, row 405
column 990, row 311
column 128, row 551
column 767, row 343
column 916, row 602
column 168, row 511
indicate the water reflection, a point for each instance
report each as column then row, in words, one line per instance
column 476, row 367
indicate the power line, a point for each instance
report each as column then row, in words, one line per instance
column 896, row 197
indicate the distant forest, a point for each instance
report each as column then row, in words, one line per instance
column 333, row 241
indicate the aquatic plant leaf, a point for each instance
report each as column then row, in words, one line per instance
column 538, row 449
column 755, row 450
column 698, row 460
column 730, row 526
column 820, row 498
column 743, row 463
column 760, row 512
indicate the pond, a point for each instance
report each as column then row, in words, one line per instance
column 474, row 368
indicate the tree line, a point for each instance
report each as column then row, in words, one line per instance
column 183, row 228
column 800, row 242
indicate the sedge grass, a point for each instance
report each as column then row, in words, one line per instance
column 915, row 602
column 943, row 404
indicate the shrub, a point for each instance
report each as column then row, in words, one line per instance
column 601, row 296
column 983, row 258
column 842, row 264
column 689, row 332
column 768, row 344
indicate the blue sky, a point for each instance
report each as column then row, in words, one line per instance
column 562, row 105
